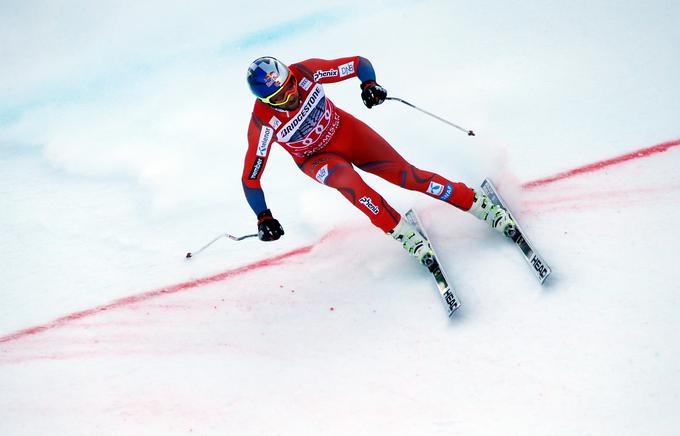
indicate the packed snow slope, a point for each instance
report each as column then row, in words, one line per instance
column 328, row 338
column 122, row 130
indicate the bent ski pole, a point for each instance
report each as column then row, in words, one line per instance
column 469, row 132
column 226, row 235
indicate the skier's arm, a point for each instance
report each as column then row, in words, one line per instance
column 336, row 70
column 259, row 139
column 372, row 94
column 365, row 71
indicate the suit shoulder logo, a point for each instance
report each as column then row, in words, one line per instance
column 275, row 122
column 305, row 83
column 320, row 74
column 266, row 134
column 346, row 69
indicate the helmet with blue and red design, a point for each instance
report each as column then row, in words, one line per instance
column 266, row 75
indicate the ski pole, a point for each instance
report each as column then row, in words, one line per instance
column 469, row 132
column 226, row 235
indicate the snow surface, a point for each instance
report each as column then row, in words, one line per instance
column 122, row 131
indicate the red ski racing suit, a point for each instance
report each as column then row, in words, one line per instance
column 327, row 144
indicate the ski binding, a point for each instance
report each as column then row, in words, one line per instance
column 446, row 292
column 538, row 265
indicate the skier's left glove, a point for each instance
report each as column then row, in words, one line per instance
column 268, row 228
column 372, row 94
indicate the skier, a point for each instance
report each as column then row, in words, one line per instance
column 327, row 143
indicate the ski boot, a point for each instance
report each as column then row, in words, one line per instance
column 497, row 217
column 413, row 242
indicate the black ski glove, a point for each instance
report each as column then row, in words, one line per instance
column 372, row 94
column 268, row 229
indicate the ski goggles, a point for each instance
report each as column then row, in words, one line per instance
column 284, row 93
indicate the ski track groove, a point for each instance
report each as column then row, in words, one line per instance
column 281, row 258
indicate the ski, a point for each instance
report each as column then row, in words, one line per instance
column 434, row 266
column 538, row 265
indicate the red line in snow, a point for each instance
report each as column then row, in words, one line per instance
column 303, row 250
column 596, row 166
column 173, row 289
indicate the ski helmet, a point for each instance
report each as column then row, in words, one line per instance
column 266, row 75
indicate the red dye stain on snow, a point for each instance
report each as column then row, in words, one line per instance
column 276, row 260
column 596, row 166
column 168, row 290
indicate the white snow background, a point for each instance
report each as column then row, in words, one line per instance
column 122, row 133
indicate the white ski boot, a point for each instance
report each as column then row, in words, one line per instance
column 412, row 241
column 497, row 217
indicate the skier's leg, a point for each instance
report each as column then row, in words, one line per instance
column 334, row 170
column 374, row 154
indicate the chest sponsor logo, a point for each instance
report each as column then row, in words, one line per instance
column 275, row 122
column 320, row 74
column 322, row 174
column 435, row 188
column 255, row 170
column 266, row 135
column 306, row 119
column 366, row 201
column 346, row 69
column 447, row 192
column 305, row 83
column 311, row 127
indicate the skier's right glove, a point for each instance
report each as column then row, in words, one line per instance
column 372, row 94
column 268, row 229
